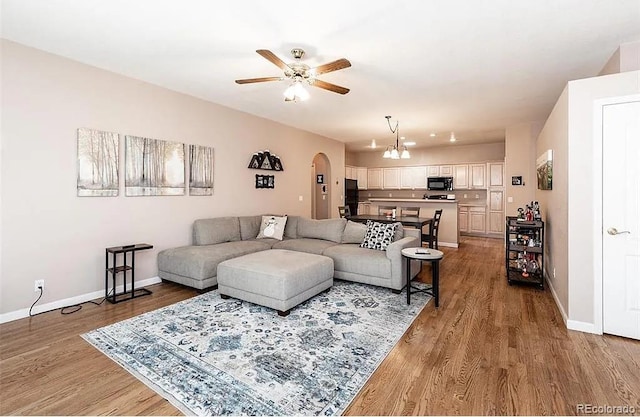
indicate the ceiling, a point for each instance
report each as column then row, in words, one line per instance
column 464, row 66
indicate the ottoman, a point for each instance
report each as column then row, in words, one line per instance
column 276, row 278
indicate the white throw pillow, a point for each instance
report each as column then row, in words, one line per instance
column 379, row 235
column 272, row 227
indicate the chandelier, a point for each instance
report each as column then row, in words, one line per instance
column 393, row 151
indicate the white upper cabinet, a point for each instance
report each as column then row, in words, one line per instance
column 440, row 171
column 349, row 172
column 496, row 174
column 361, row 176
column 461, row 176
column 413, row 177
column 477, row 172
column 391, row 178
column 374, row 178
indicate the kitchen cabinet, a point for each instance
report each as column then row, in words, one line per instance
column 477, row 219
column 349, row 172
column 477, row 174
column 461, row 176
column 496, row 174
column 374, row 178
column 496, row 211
column 463, row 219
column 413, row 177
column 361, row 176
column 439, row 170
column 363, row 208
column 391, row 178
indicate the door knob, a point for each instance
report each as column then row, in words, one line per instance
column 614, row 231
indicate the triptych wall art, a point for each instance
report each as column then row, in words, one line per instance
column 152, row 167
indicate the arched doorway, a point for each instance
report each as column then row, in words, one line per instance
column 320, row 187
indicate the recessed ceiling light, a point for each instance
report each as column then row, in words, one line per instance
column 409, row 143
column 452, row 138
column 373, row 144
column 433, row 135
column 401, row 137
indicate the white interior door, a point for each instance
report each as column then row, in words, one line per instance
column 620, row 219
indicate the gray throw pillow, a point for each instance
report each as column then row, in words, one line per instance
column 379, row 235
column 354, row 232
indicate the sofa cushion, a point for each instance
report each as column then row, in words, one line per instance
column 379, row 235
column 399, row 231
column 354, row 232
column 272, row 227
column 201, row 262
column 249, row 226
column 356, row 260
column 291, row 228
column 316, row 246
column 327, row 229
column 217, row 230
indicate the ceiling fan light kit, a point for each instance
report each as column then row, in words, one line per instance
column 393, row 151
column 300, row 72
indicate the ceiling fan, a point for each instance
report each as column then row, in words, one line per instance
column 300, row 73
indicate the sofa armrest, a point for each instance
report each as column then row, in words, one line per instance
column 394, row 250
column 398, row 267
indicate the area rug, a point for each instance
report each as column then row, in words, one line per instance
column 210, row 356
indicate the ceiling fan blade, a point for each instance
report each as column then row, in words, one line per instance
column 270, row 56
column 331, row 66
column 258, row 80
column 330, row 87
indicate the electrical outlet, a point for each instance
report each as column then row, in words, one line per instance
column 464, row 195
column 413, row 195
column 477, row 195
column 390, row 195
column 37, row 284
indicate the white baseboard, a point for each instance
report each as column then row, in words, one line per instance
column 22, row 313
column 557, row 300
column 448, row 244
column 579, row 326
column 582, row 326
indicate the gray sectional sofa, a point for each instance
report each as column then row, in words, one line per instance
column 216, row 240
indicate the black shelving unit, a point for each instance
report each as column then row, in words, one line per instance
column 113, row 270
column 524, row 257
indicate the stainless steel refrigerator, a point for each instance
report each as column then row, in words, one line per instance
column 351, row 195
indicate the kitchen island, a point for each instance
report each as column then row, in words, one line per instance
column 448, row 233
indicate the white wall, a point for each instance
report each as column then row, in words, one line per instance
column 49, row 233
column 569, row 207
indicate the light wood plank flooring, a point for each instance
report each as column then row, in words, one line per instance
column 490, row 348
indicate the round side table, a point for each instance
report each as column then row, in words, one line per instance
column 424, row 254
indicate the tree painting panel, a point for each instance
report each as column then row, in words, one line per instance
column 97, row 163
column 153, row 167
column 200, row 170
column 544, row 169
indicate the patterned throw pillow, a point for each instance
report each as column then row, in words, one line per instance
column 379, row 235
column 272, row 227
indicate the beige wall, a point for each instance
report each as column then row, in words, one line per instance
column 554, row 202
column 435, row 156
column 625, row 58
column 49, row 233
column 569, row 208
column 520, row 160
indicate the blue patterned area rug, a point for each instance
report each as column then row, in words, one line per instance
column 210, row 356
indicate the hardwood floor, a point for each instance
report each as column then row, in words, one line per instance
column 490, row 348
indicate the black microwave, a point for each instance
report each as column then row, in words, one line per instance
column 440, row 183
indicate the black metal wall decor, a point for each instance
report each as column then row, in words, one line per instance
column 265, row 181
column 265, row 160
